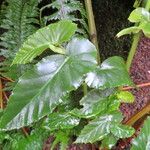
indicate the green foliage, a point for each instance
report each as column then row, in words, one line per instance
column 51, row 37
column 141, row 17
column 142, row 142
column 102, row 126
column 35, row 141
column 67, row 9
column 93, row 104
column 45, row 83
column 42, row 90
column 60, row 121
column 109, row 142
column 107, row 74
column 18, row 22
column 45, row 88
column 125, row 96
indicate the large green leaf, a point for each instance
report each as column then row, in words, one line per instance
column 51, row 37
column 139, row 14
column 93, row 103
column 111, row 73
column 98, row 128
column 59, row 121
column 38, row 91
column 142, row 142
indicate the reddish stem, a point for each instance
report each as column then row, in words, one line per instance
column 138, row 115
column 137, row 86
column 1, row 95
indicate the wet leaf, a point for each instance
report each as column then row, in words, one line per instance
column 111, row 73
column 122, row 131
column 51, row 37
column 139, row 14
column 142, row 142
column 58, row 121
column 93, row 103
column 39, row 91
column 98, row 128
column 125, row 96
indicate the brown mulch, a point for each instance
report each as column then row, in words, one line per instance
column 140, row 73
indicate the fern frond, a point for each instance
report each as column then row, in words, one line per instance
column 67, row 9
column 19, row 21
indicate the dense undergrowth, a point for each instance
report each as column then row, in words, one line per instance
column 60, row 88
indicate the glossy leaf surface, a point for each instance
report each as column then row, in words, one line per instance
column 109, row 141
column 142, row 142
column 58, row 121
column 51, row 37
column 145, row 27
column 139, row 14
column 125, row 96
column 98, row 128
column 38, row 91
column 93, row 103
column 111, row 73
column 122, row 131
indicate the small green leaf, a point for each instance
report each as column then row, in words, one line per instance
column 111, row 73
column 128, row 31
column 61, row 137
column 98, row 128
column 114, row 104
column 93, row 103
column 51, row 37
column 139, row 14
column 142, row 142
column 121, row 131
column 109, row 141
column 145, row 27
column 32, row 142
column 57, row 121
column 125, row 96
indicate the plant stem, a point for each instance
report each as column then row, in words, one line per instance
column 137, row 86
column 138, row 115
column 92, row 33
column 136, row 39
column 92, row 27
column 85, row 90
column 1, row 95
column 25, row 132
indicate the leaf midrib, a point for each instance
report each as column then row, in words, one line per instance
column 42, row 87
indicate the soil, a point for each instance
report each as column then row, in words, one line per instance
column 140, row 73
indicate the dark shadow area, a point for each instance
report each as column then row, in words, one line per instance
column 111, row 17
